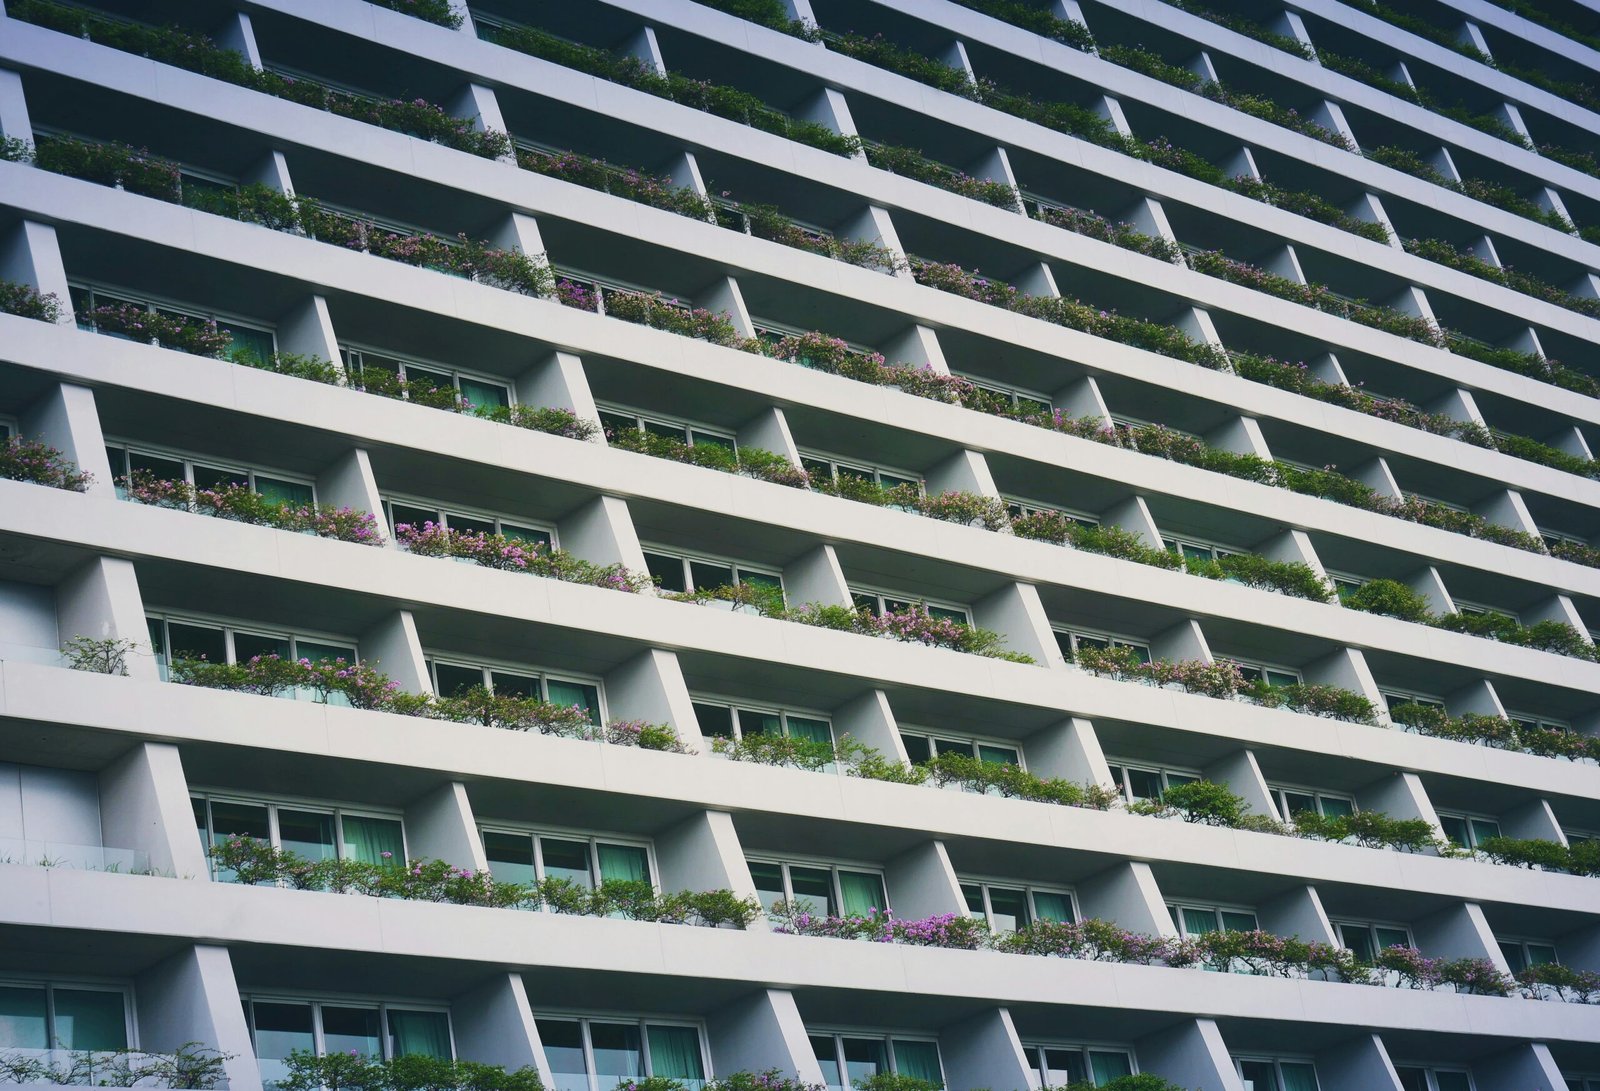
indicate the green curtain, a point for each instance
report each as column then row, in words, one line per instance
column 1199, row 921
column 861, row 891
column 22, row 1018
column 1298, row 1077
column 576, row 693
column 801, row 727
column 421, row 1032
column 918, row 1059
column 90, row 1019
column 367, row 839
column 675, row 1053
column 628, row 862
column 1108, row 1066
column 1052, row 907
column 484, row 395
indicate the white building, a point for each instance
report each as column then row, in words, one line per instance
column 103, row 775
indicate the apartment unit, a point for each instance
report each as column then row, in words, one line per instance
column 1088, row 507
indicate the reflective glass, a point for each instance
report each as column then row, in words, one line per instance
column 280, row 1029
column 814, row 885
column 453, row 679
column 708, row 576
column 1259, row 1076
column 351, row 1030
column 1335, row 807
column 768, row 879
column 22, row 1018
column 563, row 1048
column 826, row 1052
column 1010, row 908
column 1452, row 1081
column 510, row 856
column 507, row 684
column 484, row 395
column 1061, row 1067
column 1358, row 938
column 307, row 833
column 616, row 1052
column 197, row 642
column 575, row 693
column 715, row 721
column 864, row 1058
column 564, row 859
column 284, row 492
column 667, row 571
column 1108, row 1066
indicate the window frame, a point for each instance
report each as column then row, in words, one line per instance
column 838, row 1034
column 1263, row 669
column 1277, row 1063
column 586, row 1016
column 317, row 1000
column 687, row 559
column 389, row 500
column 643, row 419
column 1033, row 1053
column 432, row 660
column 783, row 712
column 1166, row 773
column 934, row 738
column 1110, row 640
column 1371, row 927
column 153, row 303
column 883, row 597
column 1470, row 819
column 818, row 863
column 350, row 353
column 273, row 802
column 1019, row 506
column 1176, row 906
column 1524, row 943
column 229, row 628
column 873, row 470
column 1279, row 793
column 594, row 837
column 128, row 448
column 1029, row 889
column 50, row 984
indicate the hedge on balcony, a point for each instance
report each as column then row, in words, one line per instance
column 1039, row 20
column 242, row 504
column 26, row 301
column 352, row 1071
column 37, row 463
column 1496, row 732
column 747, row 462
column 911, row 163
column 507, row 554
column 1123, row 234
column 1442, row 252
column 655, row 190
column 199, row 53
column 191, row 1066
column 713, row 98
column 432, row 11
column 1500, row 196
column 1392, row 598
column 255, row 861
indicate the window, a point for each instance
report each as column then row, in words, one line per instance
column 478, row 391
column 174, row 638
column 1020, row 401
column 1260, row 1074
column 597, row 1054
column 1528, row 722
column 1144, row 782
column 921, row 746
column 878, row 603
column 1345, row 585
column 1367, row 938
column 1008, row 907
column 1474, row 609
column 50, row 1015
column 846, row 1058
column 1468, row 831
column 1019, row 507
column 616, row 420
column 1069, row 641
column 720, row 721
column 418, row 512
column 279, row 1026
column 1416, row 1078
column 774, row 332
column 820, row 887
column 1393, row 698
column 1196, row 920
column 309, row 830
column 1522, row 953
column 204, row 473
column 1192, row 549
column 249, row 342
column 682, row 572
column 452, row 678
column 520, row 856
column 1265, row 672
column 8, row 430
column 1291, row 801
column 1574, row 1083
column 826, row 467
column 1059, row 1065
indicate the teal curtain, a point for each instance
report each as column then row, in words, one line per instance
column 22, row 1018
column 484, row 395
column 1199, row 921
column 861, row 892
column 90, row 1019
column 286, row 492
column 1334, row 807
column 918, row 1059
column 421, row 1032
column 367, row 839
column 675, row 1054
column 1052, row 907
column 802, row 727
column 1238, row 922
column 1298, row 1077
column 576, row 693
column 627, row 862
column 1108, row 1066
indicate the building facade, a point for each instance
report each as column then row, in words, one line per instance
column 922, row 440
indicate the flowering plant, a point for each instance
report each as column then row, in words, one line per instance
column 38, row 463
column 747, row 461
column 199, row 336
column 243, row 504
column 513, row 554
column 352, row 1071
column 26, row 301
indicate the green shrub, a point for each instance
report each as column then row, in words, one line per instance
column 1390, row 598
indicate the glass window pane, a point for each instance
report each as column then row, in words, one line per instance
column 162, row 469
column 1455, row 829
column 629, row 863
column 708, row 576
column 814, row 885
column 563, row 1048
column 413, row 516
column 529, row 535
column 1452, row 1081
column 351, row 1030
column 306, row 833
column 1051, row 906
column 1108, row 1066
column 90, row 1019
column 1358, row 938
column 1298, row 1077
column 1540, row 954
column 999, row 755
column 197, row 642
column 469, row 524
column 752, row 722
column 1513, row 956
column 616, row 423
column 368, row 839
column 1238, row 922
column 804, row 727
column 668, row 431
column 918, row 749
column 1010, row 908
column 951, row 746
column 710, row 439
column 248, row 345
column 316, row 651
column 582, row 696
column 1144, row 784
column 1176, row 779
column 667, row 570
column 761, row 579
column 1335, row 807
column 564, row 859
column 675, row 1054
column 1392, row 937
column 715, row 721
column 1063, row 1066
column 1198, row 921
column 862, row 893
column 215, row 477
column 452, row 679
column 248, row 646
column 1259, row 1075
column 616, row 1052
column 283, row 492
column 510, row 856
column 280, row 1029
column 425, row 1033
column 484, row 395
column 239, row 820
column 919, row 1060
column 768, row 878
column 1483, row 829
column 946, row 614
column 22, row 1018
column 1412, row 1079
column 1281, row 678
column 1295, row 802
column 972, row 894
column 824, row 1049
column 864, row 1058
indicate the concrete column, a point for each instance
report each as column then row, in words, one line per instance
column 683, row 171
column 440, row 826
column 650, row 687
column 769, row 430
column 348, row 482
column 1476, row 698
column 1191, row 1054
column 1458, row 931
column 995, row 165
column 65, row 417
column 645, row 46
column 723, row 294
column 760, row 1031
column 1037, row 280
column 192, row 996
column 1242, row 165
column 983, row 1051
column 1470, row 35
column 1557, row 607
column 1369, row 209
column 272, row 171
column 1507, row 508
column 1526, row 1066
column 918, row 345
column 815, row 576
column 1550, row 200
column 238, row 34
column 1291, row 25
column 1182, row 641
column 1346, row 668
column 1430, row 585
column 922, row 883
column 459, row 9
column 307, row 330
column 1294, row 546
column 1016, row 613
column 829, row 108
column 1133, row 515
column 964, row 471
column 100, row 599
column 1360, row 1064
column 1297, row 912
column 518, row 231
column 493, row 1024
column 1201, row 65
column 1570, row 438
column 479, row 105
column 15, row 124
column 1148, row 217
column 873, row 224
column 144, row 805
column 1126, row 894
column 1327, row 368
column 1330, row 116
column 1285, row 263
column 870, row 720
column 1069, row 750
column 702, row 852
column 1399, row 795
column 392, row 645
column 1457, row 404
column 558, row 382
column 1110, row 109
column 1082, row 398
column 1241, row 774
column 1196, row 322
column 1532, row 819
column 955, row 56
column 1241, row 435
column 601, row 531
